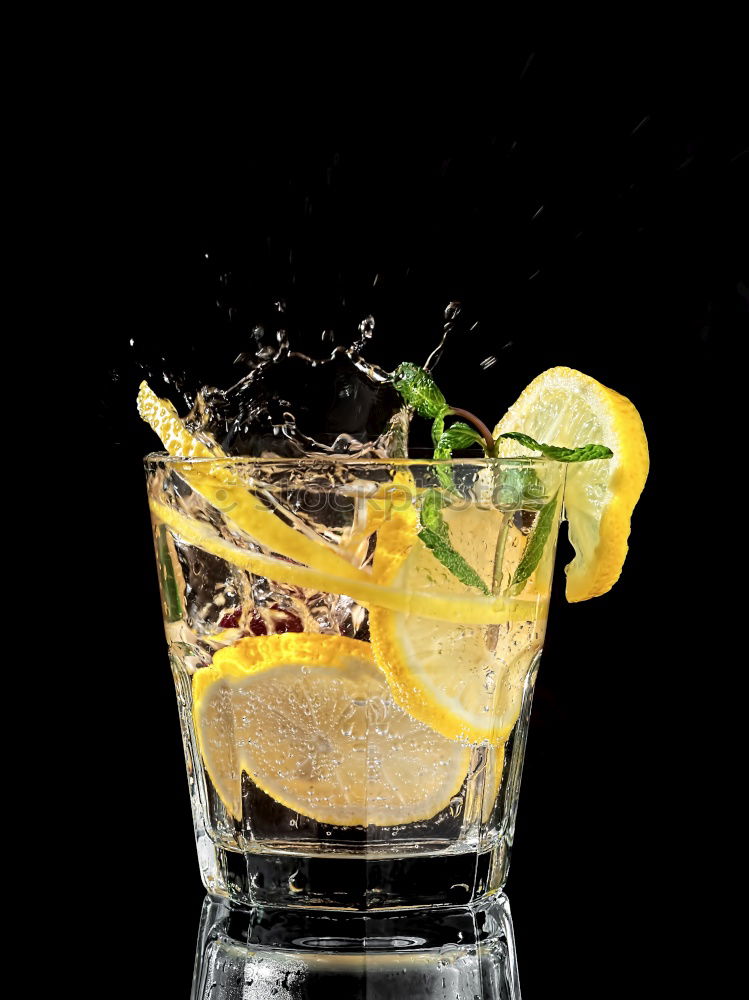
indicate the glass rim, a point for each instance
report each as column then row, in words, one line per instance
column 164, row 458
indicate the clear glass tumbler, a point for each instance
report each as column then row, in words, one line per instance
column 354, row 646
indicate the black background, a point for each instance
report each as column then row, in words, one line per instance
column 584, row 212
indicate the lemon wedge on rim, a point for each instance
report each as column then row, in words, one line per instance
column 565, row 407
column 309, row 718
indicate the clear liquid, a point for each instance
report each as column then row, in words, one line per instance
column 291, row 405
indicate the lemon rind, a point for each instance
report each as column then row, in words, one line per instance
column 629, row 471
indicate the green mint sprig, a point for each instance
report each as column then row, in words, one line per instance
column 442, row 451
column 459, row 436
column 455, row 438
column 588, row 452
column 420, row 391
column 431, row 513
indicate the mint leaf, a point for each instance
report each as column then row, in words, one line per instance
column 587, row 453
column 441, row 451
column 419, row 390
column 459, row 436
column 444, row 473
column 451, row 559
column 438, row 428
column 535, row 547
column 518, row 486
column 431, row 513
column 435, row 534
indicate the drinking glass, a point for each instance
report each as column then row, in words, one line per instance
column 354, row 646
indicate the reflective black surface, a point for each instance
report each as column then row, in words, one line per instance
column 449, row 953
column 586, row 210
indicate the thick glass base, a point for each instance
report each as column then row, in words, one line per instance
column 445, row 952
column 336, row 881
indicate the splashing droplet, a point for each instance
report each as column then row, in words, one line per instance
column 366, row 327
column 452, row 313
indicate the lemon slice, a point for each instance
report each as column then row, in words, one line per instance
column 564, row 407
column 310, row 720
column 464, row 680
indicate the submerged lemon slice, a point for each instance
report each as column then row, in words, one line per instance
column 464, row 680
column 309, row 718
column 565, row 407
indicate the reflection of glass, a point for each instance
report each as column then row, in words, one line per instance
column 290, row 954
column 354, row 646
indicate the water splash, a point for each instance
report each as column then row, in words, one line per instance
column 452, row 315
column 291, row 404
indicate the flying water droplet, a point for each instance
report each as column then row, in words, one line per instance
column 452, row 311
column 452, row 314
